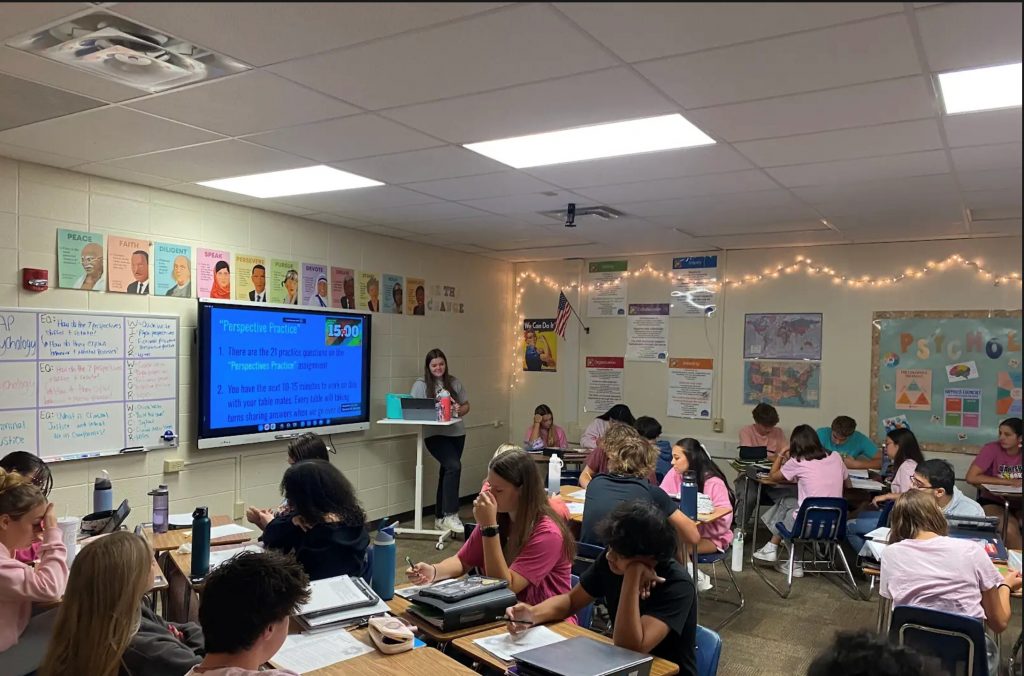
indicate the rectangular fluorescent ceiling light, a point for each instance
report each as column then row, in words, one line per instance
column 292, row 182
column 614, row 139
column 966, row 91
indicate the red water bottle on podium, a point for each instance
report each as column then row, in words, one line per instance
column 444, row 406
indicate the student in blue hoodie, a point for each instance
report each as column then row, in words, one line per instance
column 650, row 429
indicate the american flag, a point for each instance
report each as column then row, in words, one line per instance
column 563, row 314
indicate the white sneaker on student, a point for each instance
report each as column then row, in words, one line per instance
column 439, row 523
column 783, row 567
column 704, row 581
column 453, row 523
column 769, row 553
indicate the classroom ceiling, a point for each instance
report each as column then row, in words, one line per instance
column 826, row 119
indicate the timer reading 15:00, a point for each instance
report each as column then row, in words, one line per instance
column 338, row 330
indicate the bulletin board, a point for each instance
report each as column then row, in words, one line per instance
column 80, row 384
column 950, row 376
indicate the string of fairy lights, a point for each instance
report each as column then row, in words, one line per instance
column 801, row 263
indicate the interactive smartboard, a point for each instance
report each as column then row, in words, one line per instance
column 81, row 384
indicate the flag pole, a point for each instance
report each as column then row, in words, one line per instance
column 586, row 329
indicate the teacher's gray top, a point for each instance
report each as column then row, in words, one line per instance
column 419, row 389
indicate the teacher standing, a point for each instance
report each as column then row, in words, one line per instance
column 445, row 443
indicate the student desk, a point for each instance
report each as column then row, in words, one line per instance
column 1005, row 494
column 183, row 564
column 172, row 539
column 465, row 645
column 400, row 608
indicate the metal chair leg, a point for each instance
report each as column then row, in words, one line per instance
column 739, row 603
column 857, row 594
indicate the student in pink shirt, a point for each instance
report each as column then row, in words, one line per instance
column 26, row 516
column 596, row 429
column 556, row 501
column 817, row 474
column 544, row 433
column 999, row 463
column 765, row 430
column 597, row 459
column 923, row 567
column 517, row 538
column 32, row 467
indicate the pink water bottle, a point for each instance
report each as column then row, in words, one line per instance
column 444, row 406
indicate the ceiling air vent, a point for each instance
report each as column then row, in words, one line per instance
column 118, row 49
column 602, row 212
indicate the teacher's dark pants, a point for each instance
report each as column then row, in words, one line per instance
column 448, row 453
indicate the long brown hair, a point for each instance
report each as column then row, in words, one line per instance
column 102, row 604
column 18, row 495
column 916, row 512
column 519, row 469
column 446, row 379
column 633, row 456
column 551, row 441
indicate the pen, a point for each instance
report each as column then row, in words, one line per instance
column 409, row 561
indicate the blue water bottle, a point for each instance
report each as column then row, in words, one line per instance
column 382, row 573
column 200, row 542
column 688, row 495
column 102, row 493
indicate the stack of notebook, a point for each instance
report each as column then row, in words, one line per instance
column 338, row 601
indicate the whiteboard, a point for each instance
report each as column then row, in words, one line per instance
column 83, row 384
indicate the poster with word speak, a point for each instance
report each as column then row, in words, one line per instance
column 603, row 384
column 782, row 383
column 607, row 292
column 689, row 388
column 647, row 332
column 693, row 285
column 82, row 384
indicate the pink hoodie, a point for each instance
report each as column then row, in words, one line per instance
column 21, row 585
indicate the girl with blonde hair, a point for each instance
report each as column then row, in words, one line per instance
column 103, row 626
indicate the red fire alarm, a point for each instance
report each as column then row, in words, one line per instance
column 35, row 279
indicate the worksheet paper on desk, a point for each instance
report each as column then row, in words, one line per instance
column 866, row 484
column 858, row 473
column 412, row 590
column 504, row 646
column 581, row 494
column 219, row 556
column 1002, row 490
column 575, row 507
column 332, row 592
column 303, row 653
column 180, row 520
column 228, row 529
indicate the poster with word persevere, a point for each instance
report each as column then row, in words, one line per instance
column 647, row 332
column 603, row 386
column 689, row 388
column 693, row 285
column 607, row 294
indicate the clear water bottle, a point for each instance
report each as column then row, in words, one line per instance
column 161, row 499
column 688, row 494
column 200, row 543
column 554, row 474
column 102, row 493
column 443, row 406
column 737, row 551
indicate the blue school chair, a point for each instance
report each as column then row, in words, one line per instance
column 709, row 649
column 883, row 515
column 585, row 615
column 570, row 478
column 957, row 641
column 737, row 603
column 820, row 523
column 586, row 554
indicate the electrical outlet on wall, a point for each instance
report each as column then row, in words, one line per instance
column 718, row 425
column 172, row 465
column 239, row 509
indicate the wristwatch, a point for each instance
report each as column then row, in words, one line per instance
column 488, row 531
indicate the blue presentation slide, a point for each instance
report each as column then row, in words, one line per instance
column 280, row 370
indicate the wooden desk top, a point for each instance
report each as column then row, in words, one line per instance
column 183, row 562
column 400, row 607
column 416, row 661
column 565, row 491
column 465, row 645
column 172, row 539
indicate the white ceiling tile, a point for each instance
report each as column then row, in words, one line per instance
column 559, row 253
column 119, row 174
column 452, row 228
column 1003, row 226
column 773, row 239
column 900, row 194
column 776, row 201
column 278, row 207
column 709, row 227
column 942, row 220
column 969, row 35
column 359, row 199
column 907, row 232
column 345, row 138
column 268, row 102
column 862, row 169
column 483, row 186
column 38, row 156
column 512, row 46
column 981, row 158
column 590, row 98
column 992, row 179
column 854, row 106
column 879, row 49
column 527, row 206
column 210, row 194
column 883, row 139
column 983, row 128
column 417, row 213
column 21, row 17
column 104, row 134
column 267, row 32
column 335, row 219
column 645, row 30
column 422, row 165
column 644, row 167
column 38, row 69
column 1009, row 198
column 668, row 188
column 221, row 159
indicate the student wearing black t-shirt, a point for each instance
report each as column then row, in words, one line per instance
column 650, row 596
column 630, row 459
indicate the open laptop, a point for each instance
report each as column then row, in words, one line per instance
column 582, row 656
column 415, row 408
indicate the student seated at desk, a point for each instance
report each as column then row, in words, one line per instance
column 246, row 606
column 817, row 473
column 857, row 451
column 307, row 446
column 649, row 594
column 26, row 517
column 517, row 537
column 650, row 429
column 999, row 463
column 902, row 448
column 630, row 460
column 105, row 627
column 544, row 433
column 690, row 455
column 619, row 413
column 936, row 477
column 597, row 459
column 765, row 431
column 327, row 526
column 923, row 567
column 555, row 501
column 32, row 467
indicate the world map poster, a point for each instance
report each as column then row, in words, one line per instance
column 782, row 336
column 782, row 383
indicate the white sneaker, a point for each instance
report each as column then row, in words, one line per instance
column 769, row 553
column 783, row 567
column 439, row 523
column 453, row 523
column 704, row 581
